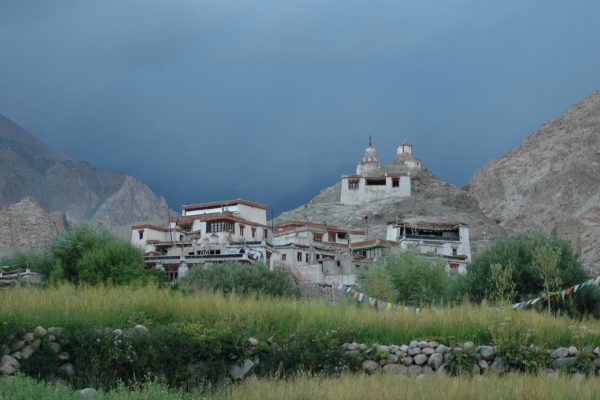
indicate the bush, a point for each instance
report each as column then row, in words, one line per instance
column 406, row 278
column 240, row 278
column 527, row 280
column 92, row 255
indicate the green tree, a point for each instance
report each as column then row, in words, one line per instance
column 545, row 260
column 413, row 279
column 502, row 282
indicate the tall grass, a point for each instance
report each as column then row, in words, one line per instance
column 263, row 317
column 348, row 386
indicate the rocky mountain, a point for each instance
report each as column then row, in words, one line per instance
column 431, row 200
column 551, row 182
column 60, row 184
column 26, row 226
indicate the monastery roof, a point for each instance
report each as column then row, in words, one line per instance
column 369, row 176
column 155, row 228
column 366, row 244
column 428, row 224
column 225, row 203
column 227, row 215
column 305, row 225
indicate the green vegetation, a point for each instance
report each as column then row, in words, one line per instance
column 406, row 278
column 90, row 255
column 238, row 278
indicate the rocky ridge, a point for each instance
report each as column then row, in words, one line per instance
column 74, row 188
column 550, row 182
column 431, row 200
column 26, row 226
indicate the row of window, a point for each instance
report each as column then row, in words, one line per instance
column 354, row 183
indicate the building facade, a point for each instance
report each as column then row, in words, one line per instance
column 448, row 241
column 316, row 253
column 371, row 182
column 227, row 231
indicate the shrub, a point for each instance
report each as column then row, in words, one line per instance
column 539, row 261
column 460, row 363
column 412, row 279
column 92, row 255
column 240, row 278
column 514, row 346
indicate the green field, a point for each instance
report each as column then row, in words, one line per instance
column 264, row 317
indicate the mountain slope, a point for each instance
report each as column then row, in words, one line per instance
column 431, row 200
column 58, row 183
column 551, row 180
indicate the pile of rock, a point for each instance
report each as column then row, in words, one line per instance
column 426, row 357
column 21, row 347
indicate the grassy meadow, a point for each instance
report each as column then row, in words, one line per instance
column 349, row 386
column 264, row 317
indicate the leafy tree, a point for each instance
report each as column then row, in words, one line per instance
column 502, row 280
column 518, row 252
column 413, row 279
column 240, row 278
column 545, row 260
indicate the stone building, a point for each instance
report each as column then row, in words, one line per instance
column 373, row 181
column 317, row 253
column 226, row 231
column 449, row 241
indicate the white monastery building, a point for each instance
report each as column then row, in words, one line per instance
column 450, row 241
column 372, row 182
column 225, row 231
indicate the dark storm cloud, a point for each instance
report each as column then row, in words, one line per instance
column 271, row 99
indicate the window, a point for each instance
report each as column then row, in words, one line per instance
column 353, row 184
column 253, row 233
column 283, row 257
column 241, row 230
column 265, row 234
column 306, row 257
column 454, row 251
column 331, row 236
column 376, row 181
column 219, row 226
column 299, row 257
column 181, row 238
column 317, row 237
column 396, row 182
column 141, row 233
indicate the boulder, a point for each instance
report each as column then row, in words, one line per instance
column 435, row 360
column 27, row 352
column 433, row 344
column 383, row 362
column 413, row 343
column 64, row 357
column 383, row 349
column 428, row 351
column 5, row 350
column 88, row 392
column 427, row 370
column 36, row 344
column 352, row 346
column 561, row 352
column 40, row 331
column 370, row 366
column 422, row 344
column 488, row 353
column 353, row 353
column 28, row 337
column 476, row 370
column 395, row 369
column 116, row 332
column 407, row 361
column 254, row 342
column 563, row 362
column 140, row 329
column 9, row 365
column 498, row 365
column 404, row 348
column 241, row 369
column 54, row 347
column 596, row 351
column 420, row 359
column 468, row 346
column 413, row 351
column 363, row 347
column 17, row 355
column 483, row 365
column 573, row 351
column 66, row 370
column 392, row 359
column 442, row 349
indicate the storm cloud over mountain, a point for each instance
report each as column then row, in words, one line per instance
column 273, row 100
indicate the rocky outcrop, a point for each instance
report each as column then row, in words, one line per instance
column 26, row 226
column 551, row 182
column 79, row 190
column 431, row 200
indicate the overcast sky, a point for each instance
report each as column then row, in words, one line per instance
column 208, row 99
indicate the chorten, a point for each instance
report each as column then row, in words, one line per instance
column 369, row 162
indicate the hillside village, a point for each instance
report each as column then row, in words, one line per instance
column 316, row 252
